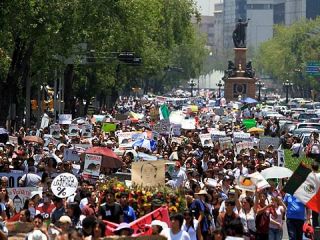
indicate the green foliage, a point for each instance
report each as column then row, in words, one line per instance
column 293, row 162
column 285, row 56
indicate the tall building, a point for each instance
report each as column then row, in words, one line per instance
column 218, row 29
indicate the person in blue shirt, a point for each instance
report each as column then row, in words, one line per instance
column 129, row 214
column 297, row 214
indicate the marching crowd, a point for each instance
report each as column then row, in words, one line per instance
column 215, row 206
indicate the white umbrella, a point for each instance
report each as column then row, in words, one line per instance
column 276, row 172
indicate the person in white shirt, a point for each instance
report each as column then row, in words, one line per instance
column 175, row 232
column 190, row 225
column 178, row 176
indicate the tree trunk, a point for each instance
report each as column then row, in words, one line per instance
column 68, row 93
column 18, row 71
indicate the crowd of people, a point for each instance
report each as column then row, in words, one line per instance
column 206, row 175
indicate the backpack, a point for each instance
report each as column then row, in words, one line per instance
column 262, row 222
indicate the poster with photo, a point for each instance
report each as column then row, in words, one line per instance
column 125, row 139
column 92, row 166
column 55, row 130
column 206, row 140
column 86, row 130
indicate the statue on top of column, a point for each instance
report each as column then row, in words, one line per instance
column 239, row 33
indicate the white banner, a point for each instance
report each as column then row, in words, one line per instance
column 125, row 139
column 241, row 136
column 20, row 194
column 55, row 130
column 244, row 145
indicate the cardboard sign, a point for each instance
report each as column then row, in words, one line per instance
column 55, row 130
column 206, row 140
column 225, row 143
column 175, row 130
column 125, row 139
column 14, row 176
column 20, row 194
column 73, row 130
column 64, row 185
column 92, row 165
column 243, row 145
column 266, row 141
column 71, row 155
column 86, row 130
column 154, row 114
column 162, row 127
column 281, row 158
column 241, row 136
column 65, row 118
column 148, row 173
column 109, row 127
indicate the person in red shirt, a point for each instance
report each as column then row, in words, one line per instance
column 45, row 208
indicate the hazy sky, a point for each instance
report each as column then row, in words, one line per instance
column 207, row 6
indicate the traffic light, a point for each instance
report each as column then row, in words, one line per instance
column 34, row 104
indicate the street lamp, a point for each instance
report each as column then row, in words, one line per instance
column 219, row 85
column 192, row 84
column 260, row 84
column 287, row 84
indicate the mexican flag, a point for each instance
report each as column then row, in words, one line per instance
column 164, row 112
column 304, row 184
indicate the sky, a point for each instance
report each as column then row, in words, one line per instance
column 207, row 6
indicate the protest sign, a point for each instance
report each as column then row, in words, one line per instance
column 225, row 143
column 82, row 146
column 249, row 123
column 206, row 140
column 252, row 182
column 86, row 130
column 138, row 135
column 148, row 173
column 266, row 141
column 65, row 118
column 216, row 134
column 281, row 158
column 154, row 114
column 64, row 185
column 243, row 145
column 175, row 129
column 162, row 127
column 176, row 140
column 109, row 127
column 188, row 124
column 98, row 118
column 125, row 139
column 92, row 165
column 20, row 194
column 55, row 130
column 71, row 155
column 13, row 139
column 73, row 130
column 241, row 136
column 14, row 176
column 45, row 121
column 121, row 117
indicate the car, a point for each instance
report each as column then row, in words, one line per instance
column 309, row 125
column 300, row 131
column 306, row 116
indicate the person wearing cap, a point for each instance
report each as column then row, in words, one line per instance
column 123, row 230
column 158, row 227
column 202, row 213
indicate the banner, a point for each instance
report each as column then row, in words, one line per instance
column 73, row 130
column 92, row 165
column 138, row 135
column 241, row 136
column 65, row 118
column 266, row 141
column 109, row 127
column 86, row 130
column 55, row 130
column 176, row 140
column 14, row 176
column 148, row 173
column 20, row 194
column 13, row 140
column 125, row 139
column 188, row 124
column 206, row 140
column 70, row 154
column 141, row 225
